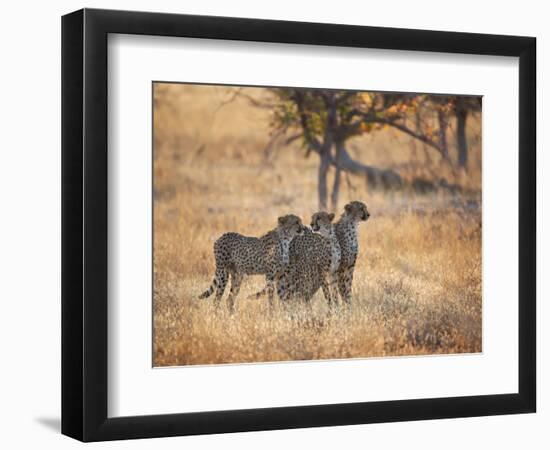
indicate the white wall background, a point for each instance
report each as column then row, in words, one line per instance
column 30, row 221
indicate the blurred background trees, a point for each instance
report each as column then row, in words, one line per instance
column 345, row 143
column 326, row 120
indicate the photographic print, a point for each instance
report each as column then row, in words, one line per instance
column 299, row 224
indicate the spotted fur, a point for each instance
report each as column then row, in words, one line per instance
column 346, row 232
column 314, row 261
column 303, row 276
column 237, row 255
column 314, row 257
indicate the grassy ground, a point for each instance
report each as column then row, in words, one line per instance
column 417, row 287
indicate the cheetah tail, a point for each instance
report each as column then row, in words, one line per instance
column 258, row 294
column 209, row 291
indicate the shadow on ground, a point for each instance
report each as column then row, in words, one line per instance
column 52, row 423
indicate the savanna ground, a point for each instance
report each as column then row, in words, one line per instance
column 417, row 285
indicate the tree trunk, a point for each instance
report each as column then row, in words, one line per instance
column 326, row 147
column 324, row 165
column 461, row 143
column 442, row 119
column 337, row 179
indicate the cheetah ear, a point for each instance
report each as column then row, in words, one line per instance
column 331, row 216
column 348, row 207
column 281, row 220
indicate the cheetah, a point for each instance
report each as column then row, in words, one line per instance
column 314, row 259
column 302, row 279
column 239, row 255
column 346, row 232
column 315, row 256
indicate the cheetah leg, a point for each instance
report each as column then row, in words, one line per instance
column 340, row 275
column 349, row 285
column 236, row 280
column 270, row 291
column 333, row 287
column 325, row 285
column 258, row 294
column 221, row 281
column 283, row 287
column 345, row 280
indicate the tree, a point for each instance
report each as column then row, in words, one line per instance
column 325, row 120
column 462, row 107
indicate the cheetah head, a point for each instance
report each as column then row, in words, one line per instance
column 290, row 226
column 357, row 211
column 321, row 222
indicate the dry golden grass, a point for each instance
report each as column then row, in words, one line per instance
column 417, row 287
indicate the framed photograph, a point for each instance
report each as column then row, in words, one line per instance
column 273, row 225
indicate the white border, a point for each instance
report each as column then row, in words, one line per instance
column 135, row 388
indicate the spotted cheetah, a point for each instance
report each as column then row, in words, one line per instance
column 315, row 256
column 314, row 260
column 239, row 255
column 346, row 232
column 303, row 279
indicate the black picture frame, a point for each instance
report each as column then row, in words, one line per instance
column 84, row 224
